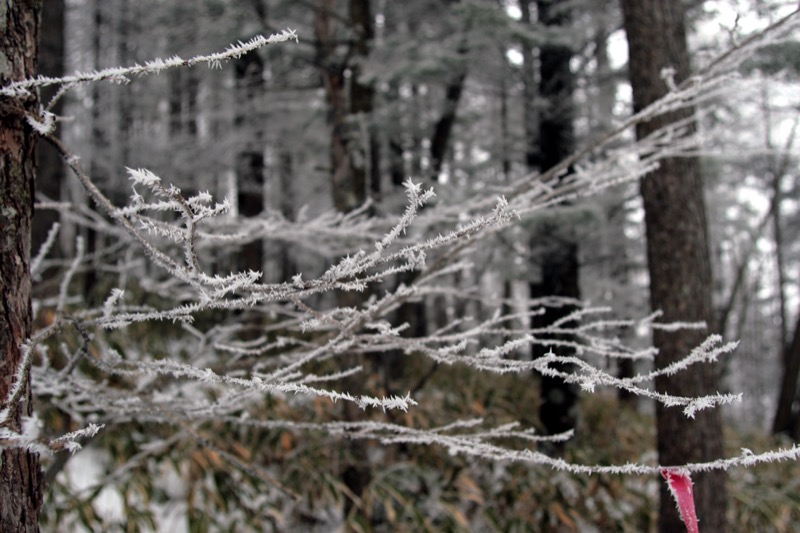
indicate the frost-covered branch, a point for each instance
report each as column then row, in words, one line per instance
column 154, row 66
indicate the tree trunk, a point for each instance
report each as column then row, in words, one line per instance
column 50, row 170
column 787, row 414
column 126, row 27
column 348, row 173
column 556, row 85
column 364, row 146
column 20, row 475
column 286, row 171
column 349, row 162
column 443, row 129
column 559, row 267
column 678, row 262
column 530, row 94
column 250, row 163
column 98, row 162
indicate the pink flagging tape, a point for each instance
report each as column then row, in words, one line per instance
column 680, row 485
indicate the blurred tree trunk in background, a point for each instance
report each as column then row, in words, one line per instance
column 678, row 262
column 98, row 163
column 364, row 147
column 530, row 93
column 555, row 239
column 250, row 164
column 443, row 130
column 286, row 174
column 50, row 167
column 787, row 415
column 348, row 174
column 127, row 26
column 20, row 475
column 348, row 106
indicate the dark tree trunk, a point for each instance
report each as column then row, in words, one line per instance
column 397, row 171
column 50, row 167
column 556, row 85
column 126, row 29
column 505, row 134
column 348, row 166
column 98, row 163
column 250, row 162
column 559, row 277
column 443, row 129
column 395, row 143
column 678, row 261
column 559, row 260
column 787, row 415
column 349, row 177
column 530, row 94
column 286, row 266
column 364, row 151
column 20, row 475
column 249, row 122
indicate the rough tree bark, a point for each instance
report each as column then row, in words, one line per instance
column 678, row 262
column 20, row 475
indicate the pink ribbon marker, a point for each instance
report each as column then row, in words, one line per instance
column 680, row 485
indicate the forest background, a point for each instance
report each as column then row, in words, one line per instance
column 313, row 144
